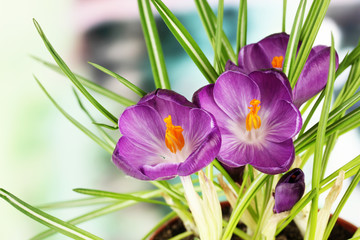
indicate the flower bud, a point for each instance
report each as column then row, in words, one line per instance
column 289, row 190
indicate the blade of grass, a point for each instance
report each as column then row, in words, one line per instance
column 218, row 35
column 349, row 60
column 89, row 84
column 122, row 80
column 320, row 142
column 72, row 77
column 186, row 41
column 241, row 30
column 106, row 136
column 46, row 219
column 309, row 134
column 159, row 224
column 347, row 194
column 100, row 212
column 348, row 122
column 294, row 39
column 308, row 41
column 243, row 204
column 101, row 143
column 152, row 40
column 77, row 203
column 208, row 19
column 120, row 196
column 283, row 26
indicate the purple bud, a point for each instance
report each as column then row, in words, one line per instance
column 236, row 173
column 289, row 190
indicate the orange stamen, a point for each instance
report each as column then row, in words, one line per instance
column 174, row 139
column 277, row 62
column 252, row 119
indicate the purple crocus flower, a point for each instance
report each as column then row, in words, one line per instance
column 165, row 135
column 289, row 190
column 256, row 117
column 270, row 53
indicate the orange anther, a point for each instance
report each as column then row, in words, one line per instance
column 252, row 119
column 174, row 139
column 277, row 62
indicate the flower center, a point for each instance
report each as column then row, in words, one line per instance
column 252, row 119
column 174, row 139
column 277, row 62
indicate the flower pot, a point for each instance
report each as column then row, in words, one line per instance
column 343, row 230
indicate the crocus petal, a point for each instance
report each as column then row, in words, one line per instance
column 289, row 190
column 129, row 157
column 272, row 83
column 233, row 152
column 167, row 102
column 284, row 122
column 204, row 98
column 313, row 77
column 230, row 66
column 273, row 158
column 259, row 55
column 235, row 85
column 203, row 138
column 144, row 127
column 161, row 171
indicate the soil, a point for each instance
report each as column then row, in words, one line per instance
column 291, row 232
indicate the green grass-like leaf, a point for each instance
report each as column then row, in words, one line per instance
column 242, row 204
column 208, row 20
column 294, row 39
column 340, row 206
column 106, row 136
column 159, row 224
column 283, row 26
column 122, row 80
column 186, row 41
column 101, row 212
column 72, row 76
column 241, row 30
column 89, row 84
column 56, row 224
column 152, row 40
column 218, row 41
column 120, row 196
column 77, row 203
column 320, row 142
column 309, row 34
column 349, row 60
column 91, row 135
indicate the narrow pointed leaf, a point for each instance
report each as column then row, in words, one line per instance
column 340, row 206
column 283, row 26
column 218, row 35
column 294, row 39
column 78, row 203
column 120, row 196
column 122, row 80
column 152, row 40
column 102, row 144
column 106, row 136
column 72, row 76
column 91, row 85
column 241, row 31
column 100, row 212
column 308, row 41
column 320, row 141
column 186, row 41
column 208, row 19
column 46, row 219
